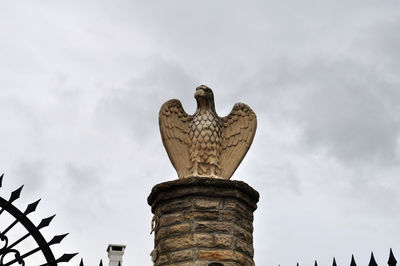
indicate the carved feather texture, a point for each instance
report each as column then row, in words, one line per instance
column 174, row 128
column 239, row 128
column 205, row 144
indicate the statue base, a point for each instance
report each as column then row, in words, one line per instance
column 201, row 221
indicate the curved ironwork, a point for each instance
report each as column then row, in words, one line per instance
column 8, row 249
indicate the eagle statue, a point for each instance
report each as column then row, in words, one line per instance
column 204, row 144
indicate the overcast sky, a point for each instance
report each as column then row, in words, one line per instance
column 81, row 84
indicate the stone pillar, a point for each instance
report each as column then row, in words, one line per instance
column 203, row 221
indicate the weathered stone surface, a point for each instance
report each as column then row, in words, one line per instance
column 171, row 219
column 222, row 255
column 243, row 234
column 177, row 243
column 239, row 258
column 210, row 226
column 207, row 263
column 223, row 241
column 181, row 264
column 201, row 215
column 179, row 228
column 249, row 262
column 162, row 260
column 206, row 187
column 244, row 247
column 182, row 255
column 229, row 216
column 216, row 254
column 234, row 205
column 175, row 206
column 160, row 233
column 202, row 220
column 159, row 248
column 207, row 203
column 203, row 240
column 247, row 225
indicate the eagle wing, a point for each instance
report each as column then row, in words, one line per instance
column 174, row 128
column 239, row 128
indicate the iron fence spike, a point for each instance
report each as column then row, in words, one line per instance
column 32, row 207
column 334, row 262
column 15, row 194
column 45, row 222
column 119, row 263
column 392, row 260
column 57, row 239
column 66, row 257
column 81, row 263
column 1, row 179
column 372, row 261
column 353, row 261
column 101, row 263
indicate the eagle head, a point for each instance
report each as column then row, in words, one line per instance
column 203, row 91
column 204, row 97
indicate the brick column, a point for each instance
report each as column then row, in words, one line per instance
column 200, row 221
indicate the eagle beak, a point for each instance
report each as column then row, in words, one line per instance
column 199, row 93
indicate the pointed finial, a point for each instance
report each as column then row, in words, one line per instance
column 66, row 257
column 353, row 262
column 57, row 239
column 81, row 263
column 392, row 260
column 334, row 262
column 31, row 207
column 15, row 194
column 315, row 264
column 372, row 261
column 45, row 222
column 101, row 263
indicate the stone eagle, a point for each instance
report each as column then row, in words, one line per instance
column 205, row 144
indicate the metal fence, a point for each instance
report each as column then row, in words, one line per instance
column 372, row 262
column 101, row 263
column 12, row 248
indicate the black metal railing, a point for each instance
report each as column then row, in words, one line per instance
column 100, row 264
column 81, row 263
column 11, row 251
column 372, row 262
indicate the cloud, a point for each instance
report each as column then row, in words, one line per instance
column 340, row 107
column 134, row 106
column 348, row 111
column 33, row 175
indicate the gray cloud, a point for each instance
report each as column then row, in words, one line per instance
column 33, row 175
column 340, row 107
column 350, row 113
column 133, row 106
